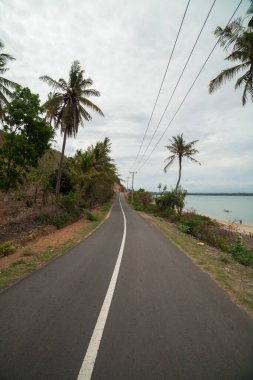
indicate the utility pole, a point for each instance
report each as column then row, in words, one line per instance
column 127, row 183
column 133, row 173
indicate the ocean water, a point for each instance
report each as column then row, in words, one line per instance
column 237, row 207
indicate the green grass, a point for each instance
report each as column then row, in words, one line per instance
column 22, row 267
column 235, row 278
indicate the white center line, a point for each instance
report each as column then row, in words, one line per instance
column 92, row 350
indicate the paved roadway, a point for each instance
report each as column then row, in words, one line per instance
column 167, row 320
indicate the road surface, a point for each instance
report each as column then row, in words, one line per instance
column 163, row 318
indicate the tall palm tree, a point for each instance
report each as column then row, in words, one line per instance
column 72, row 97
column 241, row 40
column 179, row 149
column 5, row 84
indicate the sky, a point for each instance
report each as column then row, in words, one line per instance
column 124, row 46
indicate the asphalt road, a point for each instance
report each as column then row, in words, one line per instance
column 167, row 320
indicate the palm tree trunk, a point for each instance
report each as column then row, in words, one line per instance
column 58, row 183
column 180, row 169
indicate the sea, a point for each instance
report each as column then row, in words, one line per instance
column 238, row 208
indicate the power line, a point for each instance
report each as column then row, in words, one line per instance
column 189, row 90
column 162, row 82
column 178, row 81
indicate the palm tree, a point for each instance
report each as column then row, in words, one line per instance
column 52, row 108
column 180, row 149
column 241, row 40
column 5, row 84
column 71, row 98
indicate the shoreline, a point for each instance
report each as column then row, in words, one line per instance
column 236, row 227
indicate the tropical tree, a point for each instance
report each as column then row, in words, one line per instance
column 26, row 137
column 52, row 108
column 94, row 172
column 240, row 38
column 72, row 96
column 179, row 149
column 5, row 84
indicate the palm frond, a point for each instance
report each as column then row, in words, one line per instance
column 171, row 159
column 52, row 83
column 8, row 83
column 91, row 105
column 224, row 76
column 90, row 92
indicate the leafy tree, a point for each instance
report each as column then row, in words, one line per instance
column 94, row 172
column 179, row 149
column 26, row 137
column 71, row 98
column 240, row 38
column 173, row 200
column 5, row 84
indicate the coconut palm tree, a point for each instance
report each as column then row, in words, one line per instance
column 72, row 96
column 179, row 149
column 240, row 38
column 5, row 84
column 52, row 108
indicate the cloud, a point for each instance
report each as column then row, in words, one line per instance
column 124, row 47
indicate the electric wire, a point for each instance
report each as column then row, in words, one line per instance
column 189, row 90
column 160, row 89
column 178, row 81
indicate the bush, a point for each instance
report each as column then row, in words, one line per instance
column 184, row 228
column 70, row 202
column 173, row 199
column 59, row 220
column 193, row 221
column 240, row 252
column 7, row 247
column 141, row 200
column 90, row 216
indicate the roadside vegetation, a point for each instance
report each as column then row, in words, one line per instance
column 224, row 253
column 41, row 189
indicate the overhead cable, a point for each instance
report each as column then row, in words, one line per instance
column 189, row 90
column 178, row 81
column 160, row 89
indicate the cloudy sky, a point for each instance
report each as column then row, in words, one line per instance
column 124, row 46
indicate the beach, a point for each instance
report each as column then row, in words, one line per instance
column 237, row 227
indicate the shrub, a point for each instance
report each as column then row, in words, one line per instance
column 70, row 202
column 240, row 252
column 184, row 228
column 173, row 199
column 90, row 216
column 7, row 247
column 59, row 220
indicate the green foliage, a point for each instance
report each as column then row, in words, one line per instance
column 239, row 37
column 66, row 181
column 7, row 247
column 70, row 203
column 26, row 137
column 240, row 252
column 94, row 173
column 5, row 84
column 174, row 200
column 193, row 221
column 141, row 200
column 184, row 228
column 90, row 216
column 59, row 220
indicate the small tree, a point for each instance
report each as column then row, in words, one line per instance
column 26, row 137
